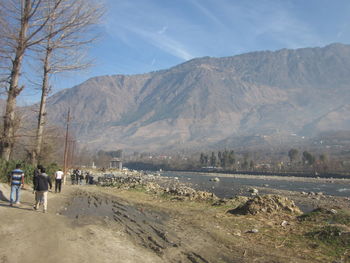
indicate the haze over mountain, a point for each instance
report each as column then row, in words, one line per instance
column 273, row 96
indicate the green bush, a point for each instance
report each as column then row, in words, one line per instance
column 7, row 166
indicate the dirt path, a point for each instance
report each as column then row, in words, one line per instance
column 88, row 224
column 31, row 236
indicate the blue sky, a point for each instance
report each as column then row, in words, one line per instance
column 139, row 36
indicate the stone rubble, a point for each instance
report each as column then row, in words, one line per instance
column 179, row 191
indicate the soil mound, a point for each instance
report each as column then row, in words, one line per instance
column 267, row 204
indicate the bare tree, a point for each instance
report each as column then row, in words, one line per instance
column 22, row 27
column 64, row 50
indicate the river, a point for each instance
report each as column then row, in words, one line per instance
column 231, row 186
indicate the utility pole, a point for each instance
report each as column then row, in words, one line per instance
column 65, row 160
column 71, row 153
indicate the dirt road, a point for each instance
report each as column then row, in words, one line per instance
column 88, row 224
column 32, row 236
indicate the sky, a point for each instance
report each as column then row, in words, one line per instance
column 140, row 36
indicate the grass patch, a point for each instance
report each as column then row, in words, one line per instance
column 331, row 239
column 321, row 215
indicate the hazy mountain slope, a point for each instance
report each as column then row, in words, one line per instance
column 206, row 100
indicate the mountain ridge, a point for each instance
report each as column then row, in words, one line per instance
column 207, row 100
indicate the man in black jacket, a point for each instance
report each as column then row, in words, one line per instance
column 42, row 183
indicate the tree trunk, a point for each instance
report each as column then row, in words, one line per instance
column 42, row 110
column 7, row 141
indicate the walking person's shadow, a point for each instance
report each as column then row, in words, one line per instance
column 3, row 197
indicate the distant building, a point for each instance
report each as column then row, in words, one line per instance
column 116, row 163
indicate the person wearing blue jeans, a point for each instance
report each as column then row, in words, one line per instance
column 16, row 181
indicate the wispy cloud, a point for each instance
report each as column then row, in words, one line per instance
column 163, row 30
column 164, row 42
column 153, row 61
column 208, row 13
column 150, row 24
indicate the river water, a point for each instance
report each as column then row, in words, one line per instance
column 230, row 186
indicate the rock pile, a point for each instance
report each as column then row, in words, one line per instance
column 179, row 191
column 267, row 204
column 124, row 182
column 153, row 187
column 189, row 193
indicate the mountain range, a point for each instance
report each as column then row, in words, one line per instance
column 265, row 97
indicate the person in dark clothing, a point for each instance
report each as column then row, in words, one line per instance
column 72, row 177
column 87, row 175
column 42, row 183
column 77, row 176
column 36, row 173
column 81, row 178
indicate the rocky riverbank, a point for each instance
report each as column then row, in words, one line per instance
column 185, row 190
column 276, row 215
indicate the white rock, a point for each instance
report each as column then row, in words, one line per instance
column 254, row 230
column 284, row 223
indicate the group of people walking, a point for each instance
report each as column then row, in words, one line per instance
column 41, row 184
column 77, row 177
